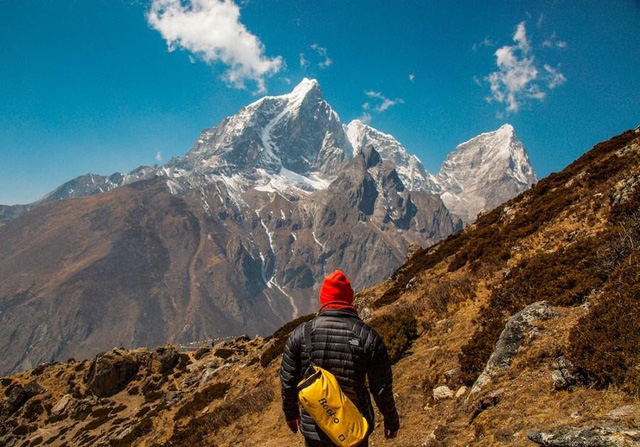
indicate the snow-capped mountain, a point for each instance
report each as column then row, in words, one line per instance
column 484, row 172
column 297, row 132
column 477, row 176
column 235, row 236
column 409, row 167
column 296, row 144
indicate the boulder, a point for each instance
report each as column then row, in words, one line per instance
column 442, row 393
column 436, row 438
column 224, row 353
column 452, row 376
column 565, row 375
column 82, row 409
column 33, row 389
column 201, row 352
column 585, row 436
column 16, row 397
column 132, row 432
column 461, row 392
column 165, row 358
column 110, row 373
column 61, row 407
column 510, row 341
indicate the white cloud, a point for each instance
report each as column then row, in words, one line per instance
column 378, row 103
column 384, row 103
column 554, row 78
column 159, row 157
column 365, row 117
column 520, row 37
column 518, row 79
column 304, row 63
column 322, row 51
column 412, row 77
column 553, row 42
column 486, row 42
column 211, row 30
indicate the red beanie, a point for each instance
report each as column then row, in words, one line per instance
column 336, row 292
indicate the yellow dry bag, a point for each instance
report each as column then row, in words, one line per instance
column 335, row 414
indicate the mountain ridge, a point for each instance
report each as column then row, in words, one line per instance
column 242, row 144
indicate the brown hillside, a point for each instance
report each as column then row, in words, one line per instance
column 529, row 318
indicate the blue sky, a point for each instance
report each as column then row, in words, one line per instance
column 91, row 86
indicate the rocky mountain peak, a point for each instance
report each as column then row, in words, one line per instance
column 371, row 156
column 306, row 88
column 297, row 131
column 484, row 172
column 409, row 168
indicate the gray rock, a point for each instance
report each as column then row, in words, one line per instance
column 209, row 373
column 167, row 358
column 61, row 406
column 16, row 398
column 586, row 437
column 224, row 353
column 436, row 438
column 366, row 313
column 510, row 341
column 33, row 389
column 461, row 392
column 565, row 374
column 82, row 409
column 442, row 392
column 110, row 373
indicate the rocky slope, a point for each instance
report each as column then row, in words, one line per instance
column 520, row 330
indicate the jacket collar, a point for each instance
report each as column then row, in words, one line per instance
column 344, row 313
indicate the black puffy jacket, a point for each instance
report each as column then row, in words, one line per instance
column 351, row 350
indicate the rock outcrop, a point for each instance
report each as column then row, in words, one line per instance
column 566, row 375
column 586, row 437
column 109, row 373
column 510, row 341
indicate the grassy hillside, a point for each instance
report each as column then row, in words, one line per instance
column 529, row 318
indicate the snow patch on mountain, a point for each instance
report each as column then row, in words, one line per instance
column 409, row 168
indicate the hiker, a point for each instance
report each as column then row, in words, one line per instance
column 347, row 347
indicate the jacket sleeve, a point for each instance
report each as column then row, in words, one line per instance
column 381, row 382
column 290, row 375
